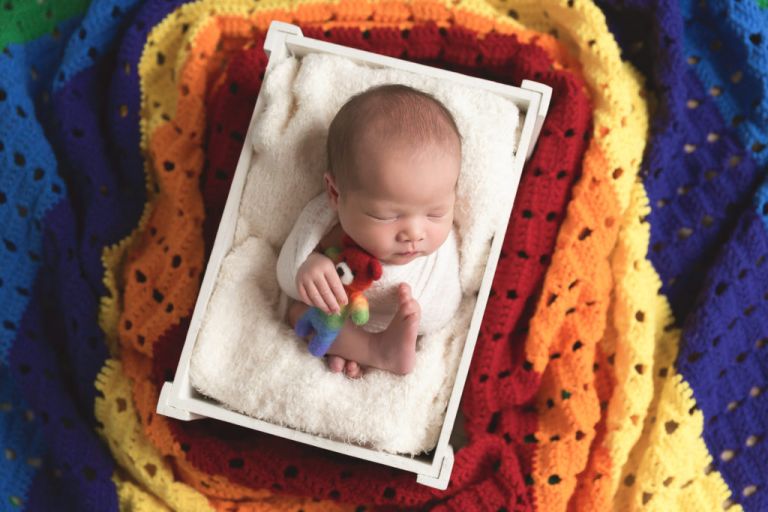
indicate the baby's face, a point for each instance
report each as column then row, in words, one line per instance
column 403, row 208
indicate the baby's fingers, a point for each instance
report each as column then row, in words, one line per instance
column 315, row 298
column 303, row 294
column 328, row 296
column 338, row 289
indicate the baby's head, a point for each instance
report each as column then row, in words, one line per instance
column 394, row 156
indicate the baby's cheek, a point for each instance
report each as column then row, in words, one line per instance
column 439, row 234
column 376, row 247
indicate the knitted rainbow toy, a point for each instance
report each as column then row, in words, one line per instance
column 621, row 362
column 357, row 270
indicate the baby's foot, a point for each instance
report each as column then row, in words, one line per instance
column 399, row 338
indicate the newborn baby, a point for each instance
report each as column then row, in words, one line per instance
column 394, row 156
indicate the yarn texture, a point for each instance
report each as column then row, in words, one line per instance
column 621, row 360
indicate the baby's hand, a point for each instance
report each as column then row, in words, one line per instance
column 319, row 284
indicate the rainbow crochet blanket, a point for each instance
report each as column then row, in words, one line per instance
column 622, row 361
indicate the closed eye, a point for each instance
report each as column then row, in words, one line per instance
column 436, row 215
column 383, row 219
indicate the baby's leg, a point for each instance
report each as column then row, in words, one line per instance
column 394, row 349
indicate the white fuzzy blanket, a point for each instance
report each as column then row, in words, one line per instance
column 248, row 359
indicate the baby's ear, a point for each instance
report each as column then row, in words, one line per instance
column 374, row 269
column 331, row 190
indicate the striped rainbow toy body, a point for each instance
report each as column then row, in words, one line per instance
column 622, row 361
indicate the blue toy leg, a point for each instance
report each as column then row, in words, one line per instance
column 304, row 325
column 322, row 341
column 314, row 320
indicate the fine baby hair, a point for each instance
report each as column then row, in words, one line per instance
column 393, row 112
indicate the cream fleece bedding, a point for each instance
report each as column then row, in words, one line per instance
column 247, row 358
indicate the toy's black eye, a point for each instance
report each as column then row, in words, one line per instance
column 345, row 273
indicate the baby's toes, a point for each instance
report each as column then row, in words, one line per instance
column 410, row 308
column 353, row 370
column 335, row 363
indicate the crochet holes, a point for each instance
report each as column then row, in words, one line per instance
column 89, row 473
column 684, row 233
column 721, row 288
column 749, row 491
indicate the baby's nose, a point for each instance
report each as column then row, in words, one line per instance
column 412, row 233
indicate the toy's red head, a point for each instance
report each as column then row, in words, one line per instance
column 356, row 267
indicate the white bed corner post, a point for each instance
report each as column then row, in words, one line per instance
column 546, row 96
column 166, row 407
column 274, row 43
column 440, row 481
